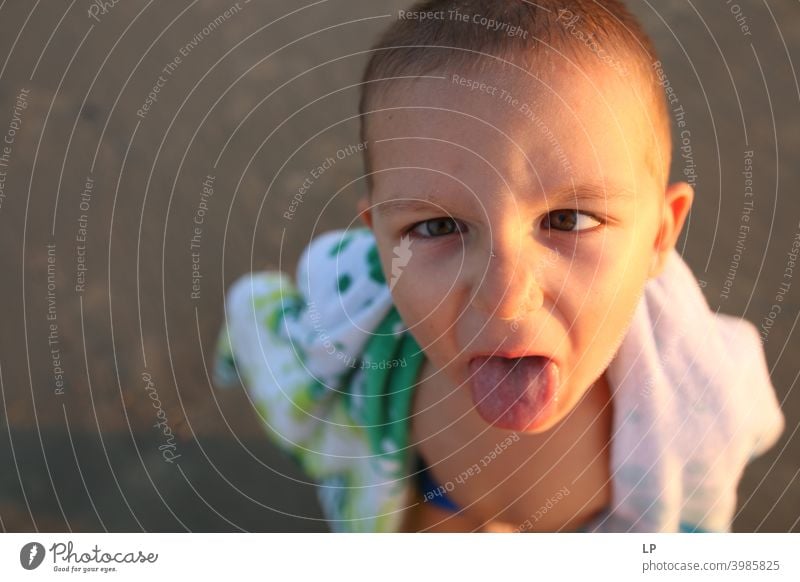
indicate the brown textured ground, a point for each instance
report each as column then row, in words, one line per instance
column 88, row 459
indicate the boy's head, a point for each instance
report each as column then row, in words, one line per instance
column 539, row 135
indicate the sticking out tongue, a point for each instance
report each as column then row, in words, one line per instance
column 513, row 396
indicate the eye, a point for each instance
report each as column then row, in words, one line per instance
column 435, row 228
column 569, row 220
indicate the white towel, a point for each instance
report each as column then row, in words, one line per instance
column 693, row 404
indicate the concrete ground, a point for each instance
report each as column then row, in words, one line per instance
column 102, row 185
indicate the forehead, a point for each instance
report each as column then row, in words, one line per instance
column 542, row 132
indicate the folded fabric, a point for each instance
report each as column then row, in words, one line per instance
column 331, row 367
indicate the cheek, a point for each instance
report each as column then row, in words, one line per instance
column 604, row 290
column 427, row 316
column 428, row 304
column 421, row 276
column 419, row 292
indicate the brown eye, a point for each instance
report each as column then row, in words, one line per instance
column 435, row 228
column 568, row 220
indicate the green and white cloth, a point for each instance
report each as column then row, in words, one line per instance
column 331, row 367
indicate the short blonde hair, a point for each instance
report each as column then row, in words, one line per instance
column 434, row 34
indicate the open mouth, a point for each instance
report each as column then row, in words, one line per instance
column 514, row 393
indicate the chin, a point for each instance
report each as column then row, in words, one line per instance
column 542, row 422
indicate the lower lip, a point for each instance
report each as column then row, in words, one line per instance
column 521, row 397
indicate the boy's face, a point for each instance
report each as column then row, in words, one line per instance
column 552, row 180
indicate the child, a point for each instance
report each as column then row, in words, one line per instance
column 549, row 363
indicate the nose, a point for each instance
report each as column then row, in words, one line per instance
column 508, row 288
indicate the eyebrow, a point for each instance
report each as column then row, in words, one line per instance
column 407, row 205
column 561, row 195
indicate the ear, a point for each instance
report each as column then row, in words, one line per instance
column 678, row 200
column 365, row 211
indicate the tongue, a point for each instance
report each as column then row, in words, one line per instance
column 514, row 393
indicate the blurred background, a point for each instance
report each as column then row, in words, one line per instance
column 126, row 122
